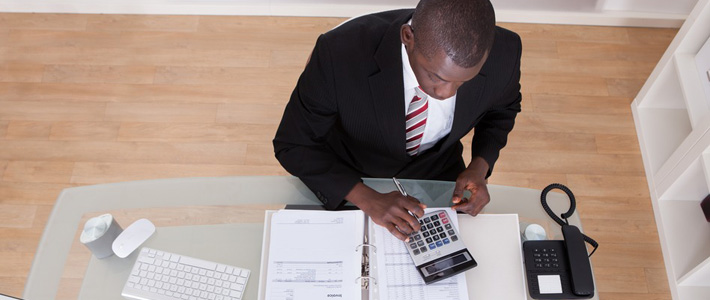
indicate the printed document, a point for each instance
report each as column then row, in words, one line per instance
column 314, row 255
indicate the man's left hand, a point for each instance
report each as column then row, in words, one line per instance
column 473, row 179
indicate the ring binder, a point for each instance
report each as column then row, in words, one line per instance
column 374, row 249
column 363, row 278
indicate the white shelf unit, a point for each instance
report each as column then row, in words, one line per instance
column 672, row 117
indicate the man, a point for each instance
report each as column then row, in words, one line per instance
column 391, row 94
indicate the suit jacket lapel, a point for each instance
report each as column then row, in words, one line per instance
column 467, row 102
column 387, row 90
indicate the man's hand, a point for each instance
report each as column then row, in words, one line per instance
column 473, row 179
column 389, row 210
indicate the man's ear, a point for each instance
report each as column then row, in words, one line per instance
column 406, row 34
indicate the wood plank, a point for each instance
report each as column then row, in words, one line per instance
column 620, row 280
column 247, row 113
column 84, row 131
column 127, row 152
column 68, row 22
column 38, row 171
column 161, row 112
column 99, row 74
column 288, row 58
column 657, row 280
column 628, row 255
column 549, row 32
column 136, row 56
column 196, row 132
column 596, row 69
column 574, row 123
column 142, row 23
column 21, row 72
column 609, row 207
column 30, row 193
column 608, row 185
column 28, row 130
column 261, row 154
column 3, row 129
column 235, row 24
column 651, row 36
column 563, row 85
column 16, row 216
column 551, row 142
column 570, row 163
column 634, row 296
column 622, row 87
column 613, row 230
column 163, row 93
column 610, row 51
column 19, row 239
column 13, row 286
column 539, row 49
column 95, row 173
column 61, row 38
column 51, row 111
column 238, row 76
column 618, row 143
column 527, row 180
column 3, row 166
column 575, row 104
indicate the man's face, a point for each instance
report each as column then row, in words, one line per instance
column 438, row 76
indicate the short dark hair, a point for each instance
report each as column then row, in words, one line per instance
column 464, row 29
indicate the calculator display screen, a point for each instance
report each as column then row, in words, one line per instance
column 446, row 263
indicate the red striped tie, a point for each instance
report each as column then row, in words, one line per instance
column 416, row 121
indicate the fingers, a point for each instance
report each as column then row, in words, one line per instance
column 393, row 230
column 475, row 204
column 458, row 191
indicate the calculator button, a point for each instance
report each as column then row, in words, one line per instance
column 429, row 226
column 429, row 240
column 444, row 220
column 413, row 245
column 420, row 243
column 446, row 241
column 417, row 237
column 421, row 222
column 434, row 217
column 447, row 226
column 437, row 223
column 454, row 238
column 436, row 237
column 439, row 229
column 451, row 232
column 439, row 243
column 432, row 232
column 432, row 246
column 422, row 249
column 442, row 235
column 415, row 251
column 425, row 233
column 426, row 220
column 442, row 214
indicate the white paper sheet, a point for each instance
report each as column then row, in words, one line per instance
column 397, row 277
column 313, row 255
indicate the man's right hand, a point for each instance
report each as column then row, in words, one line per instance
column 389, row 210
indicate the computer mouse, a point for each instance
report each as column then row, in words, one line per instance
column 132, row 237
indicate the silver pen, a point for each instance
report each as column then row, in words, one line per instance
column 399, row 186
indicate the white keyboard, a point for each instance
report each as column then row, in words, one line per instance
column 160, row 275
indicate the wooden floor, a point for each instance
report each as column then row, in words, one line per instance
column 87, row 99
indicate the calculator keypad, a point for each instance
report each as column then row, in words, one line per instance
column 436, row 232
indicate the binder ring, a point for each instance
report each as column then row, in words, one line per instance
column 363, row 278
column 374, row 249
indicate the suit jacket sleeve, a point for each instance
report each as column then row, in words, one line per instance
column 300, row 142
column 491, row 132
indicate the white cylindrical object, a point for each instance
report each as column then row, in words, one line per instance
column 99, row 233
column 534, row 232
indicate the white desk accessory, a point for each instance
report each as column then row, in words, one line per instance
column 99, row 234
column 131, row 238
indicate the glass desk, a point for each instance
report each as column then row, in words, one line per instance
column 219, row 219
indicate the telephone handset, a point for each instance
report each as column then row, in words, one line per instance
column 560, row 269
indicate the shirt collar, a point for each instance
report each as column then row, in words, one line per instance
column 410, row 80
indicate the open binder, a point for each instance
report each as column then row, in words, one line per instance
column 315, row 255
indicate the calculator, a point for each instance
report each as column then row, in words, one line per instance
column 437, row 250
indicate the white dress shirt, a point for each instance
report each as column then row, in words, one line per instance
column 440, row 113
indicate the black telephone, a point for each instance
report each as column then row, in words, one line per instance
column 560, row 269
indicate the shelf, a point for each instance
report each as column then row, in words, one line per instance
column 698, row 276
column 691, row 185
column 692, row 88
column 687, row 235
column 662, row 132
column 693, row 293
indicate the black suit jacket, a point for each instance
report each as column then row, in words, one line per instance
column 346, row 117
